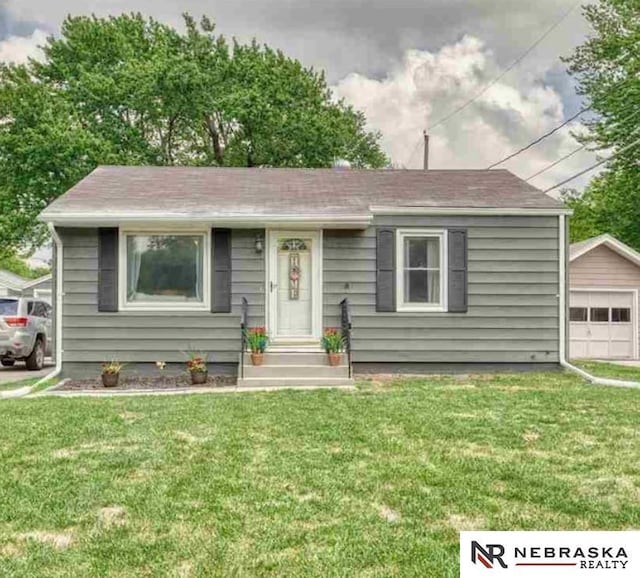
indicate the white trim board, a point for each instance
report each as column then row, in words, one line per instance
column 401, row 306
column 326, row 220
column 171, row 220
column 564, row 330
column 635, row 319
column 610, row 242
column 124, row 305
column 470, row 211
column 34, row 282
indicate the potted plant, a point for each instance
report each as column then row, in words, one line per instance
column 197, row 368
column 257, row 341
column 333, row 344
column 111, row 373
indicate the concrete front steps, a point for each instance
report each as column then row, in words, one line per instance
column 294, row 368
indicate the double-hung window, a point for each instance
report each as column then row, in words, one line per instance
column 421, row 269
column 164, row 271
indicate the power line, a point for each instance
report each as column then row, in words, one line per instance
column 506, row 70
column 540, row 139
column 564, row 158
column 603, row 161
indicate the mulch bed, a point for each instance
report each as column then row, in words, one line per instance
column 152, row 382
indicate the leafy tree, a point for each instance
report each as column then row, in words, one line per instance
column 608, row 70
column 131, row 90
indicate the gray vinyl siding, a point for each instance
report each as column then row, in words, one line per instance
column 92, row 336
column 513, row 314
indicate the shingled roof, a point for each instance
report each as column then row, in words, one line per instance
column 206, row 192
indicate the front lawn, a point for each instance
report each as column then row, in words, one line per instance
column 17, row 384
column 610, row 370
column 376, row 482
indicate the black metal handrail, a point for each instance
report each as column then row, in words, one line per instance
column 244, row 316
column 345, row 322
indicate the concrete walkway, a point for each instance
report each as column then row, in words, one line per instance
column 625, row 362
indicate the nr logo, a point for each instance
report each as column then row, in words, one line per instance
column 487, row 555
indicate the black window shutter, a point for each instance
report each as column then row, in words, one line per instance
column 385, row 269
column 108, row 269
column 457, row 273
column 221, row 271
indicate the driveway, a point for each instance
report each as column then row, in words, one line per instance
column 625, row 362
column 19, row 372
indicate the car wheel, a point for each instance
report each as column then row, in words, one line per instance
column 36, row 359
column 8, row 362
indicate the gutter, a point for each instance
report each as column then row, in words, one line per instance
column 357, row 221
column 58, row 310
column 562, row 248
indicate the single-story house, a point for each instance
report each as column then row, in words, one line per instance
column 12, row 285
column 604, row 279
column 431, row 269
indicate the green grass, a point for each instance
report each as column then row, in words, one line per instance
column 610, row 370
column 376, row 482
column 17, row 384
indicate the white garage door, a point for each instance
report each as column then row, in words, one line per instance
column 602, row 325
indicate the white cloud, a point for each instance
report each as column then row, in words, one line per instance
column 427, row 86
column 19, row 49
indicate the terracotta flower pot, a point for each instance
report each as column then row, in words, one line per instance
column 199, row 377
column 334, row 358
column 110, row 379
column 257, row 358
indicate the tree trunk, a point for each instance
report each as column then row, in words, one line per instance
column 214, row 135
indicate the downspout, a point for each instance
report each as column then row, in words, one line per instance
column 58, row 308
column 562, row 248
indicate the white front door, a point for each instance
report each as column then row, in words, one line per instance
column 294, row 285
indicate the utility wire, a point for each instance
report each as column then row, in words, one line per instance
column 564, row 158
column 540, row 139
column 506, row 70
column 603, row 161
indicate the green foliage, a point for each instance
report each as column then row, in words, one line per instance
column 16, row 265
column 333, row 341
column 130, row 90
column 376, row 481
column 257, row 339
column 608, row 71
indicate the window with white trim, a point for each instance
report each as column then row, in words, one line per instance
column 164, row 270
column 421, row 270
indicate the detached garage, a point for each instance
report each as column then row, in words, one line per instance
column 604, row 279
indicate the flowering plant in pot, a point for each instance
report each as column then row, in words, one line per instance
column 197, row 368
column 333, row 344
column 257, row 341
column 111, row 373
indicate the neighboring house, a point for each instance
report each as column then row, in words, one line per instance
column 604, row 280
column 440, row 269
column 12, row 285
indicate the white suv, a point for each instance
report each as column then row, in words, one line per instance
column 25, row 331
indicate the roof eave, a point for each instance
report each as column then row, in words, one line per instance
column 35, row 282
column 513, row 211
column 612, row 243
column 240, row 221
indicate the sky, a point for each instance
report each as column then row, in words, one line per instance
column 405, row 63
